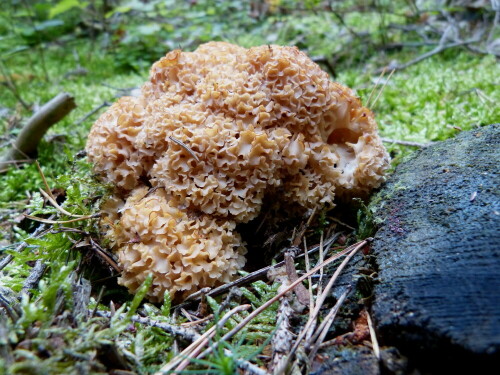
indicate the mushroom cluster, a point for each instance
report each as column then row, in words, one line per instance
column 213, row 132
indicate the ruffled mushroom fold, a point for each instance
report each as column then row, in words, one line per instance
column 213, row 132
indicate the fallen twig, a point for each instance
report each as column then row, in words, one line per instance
column 175, row 330
column 10, row 83
column 196, row 322
column 327, row 63
column 38, row 231
column 92, row 112
column 181, row 360
column 99, row 250
column 406, row 143
column 440, row 48
column 249, row 367
column 300, row 290
column 32, row 280
column 252, row 276
column 351, row 250
column 282, row 339
column 326, row 324
column 311, row 323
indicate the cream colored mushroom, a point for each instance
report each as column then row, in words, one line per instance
column 215, row 131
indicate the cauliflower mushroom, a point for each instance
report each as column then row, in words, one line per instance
column 213, row 132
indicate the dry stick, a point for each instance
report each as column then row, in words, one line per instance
column 351, row 250
column 354, row 248
column 233, row 294
column 341, row 222
column 5, row 261
column 325, row 325
column 373, row 336
column 8, row 304
column 435, row 51
column 303, row 295
column 311, row 324
column 282, row 339
column 249, row 367
column 185, row 333
column 300, row 290
column 34, row 277
column 496, row 21
column 105, row 256
column 27, row 141
column 252, row 276
column 187, row 315
column 406, row 143
column 196, row 322
column 196, row 350
column 201, row 341
column 324, row 60
column 91, row 113
column 176, row 360
column 20, row 161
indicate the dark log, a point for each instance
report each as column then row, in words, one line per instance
column 438, row 293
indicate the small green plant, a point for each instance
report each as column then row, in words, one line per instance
column 218, row 362
column 366, row 223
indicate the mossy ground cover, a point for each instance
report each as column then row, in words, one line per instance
column 39, row 332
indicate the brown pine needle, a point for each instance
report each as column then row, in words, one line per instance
column 47, row 221
column 383, row 87
column 57, row 206
column 311, row 323
column 375, row 87
column 185, row 147
column 373, row 336
column 194, row 349
column 105, row 256
column 351, row 249
column 321, row 258
column 50, row 197
column 320, row 334
column 49, row 192
column 196, row 322
column 186, row 314
column 309, row 280
column 406, row 143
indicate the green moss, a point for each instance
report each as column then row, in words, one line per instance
column 432, row 100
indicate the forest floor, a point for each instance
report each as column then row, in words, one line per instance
column 61, row 310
